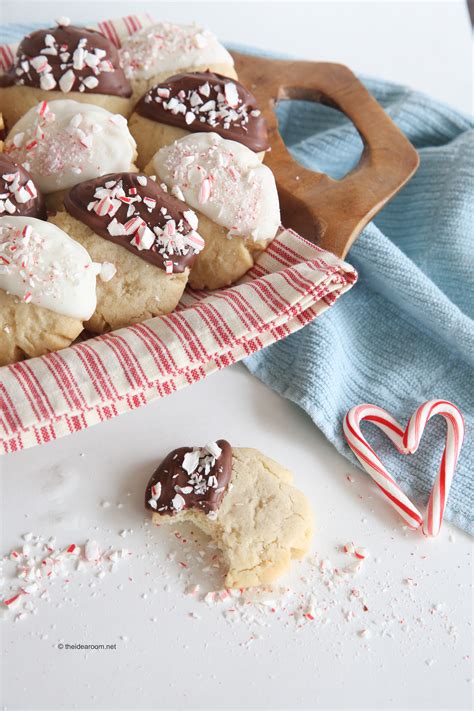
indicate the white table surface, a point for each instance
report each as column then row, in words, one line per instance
column 173, row 650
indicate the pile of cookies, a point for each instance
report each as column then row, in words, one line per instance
column 126, row 174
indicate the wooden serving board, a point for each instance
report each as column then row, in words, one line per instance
column 330, row 212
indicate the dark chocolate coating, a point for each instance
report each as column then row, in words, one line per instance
column 81, row 195
column 247, row 129
column 35, row 207
column 67, row 39
column 170, row 474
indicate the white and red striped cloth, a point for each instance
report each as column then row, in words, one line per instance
column 45, row 398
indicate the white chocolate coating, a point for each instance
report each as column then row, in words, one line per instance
column 225, row 180
column 42, row 265
column 167, row 48
column 62, row 143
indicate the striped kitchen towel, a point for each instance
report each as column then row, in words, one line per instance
column 44, row 398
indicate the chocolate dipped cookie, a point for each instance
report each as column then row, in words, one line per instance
column 197, row 102
column 236, row 199
column 147, row 238
column 64, row 62
column 245, row 501
column 65, row 142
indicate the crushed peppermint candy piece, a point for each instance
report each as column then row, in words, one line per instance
column 75, row 64
column 178, row 502
column 107, row 271
column 197, row 477
column 92, row 550
column 207, row 101
column 133, row 207
column 191, row 218
column 213, row 449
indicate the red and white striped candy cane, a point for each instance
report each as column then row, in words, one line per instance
column 407, row 442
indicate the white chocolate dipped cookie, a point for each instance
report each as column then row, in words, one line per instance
column 196, row 102
column 65, row 142
column 64, row 62
column 245, row 501
column 47, row 288
column 235, row 195
column 148, row 239
column 157, row 52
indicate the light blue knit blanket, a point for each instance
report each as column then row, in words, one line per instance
column 404, row 334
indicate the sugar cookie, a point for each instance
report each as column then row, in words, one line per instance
column 64, row 62
column 245, row 501
column 196, row 102
column 47, row 288
column 157, row 52
column 65, row 142
column 148, row 239
column 236, row 197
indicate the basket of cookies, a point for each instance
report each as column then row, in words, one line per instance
column 143, row 187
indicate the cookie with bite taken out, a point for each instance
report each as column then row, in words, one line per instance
column 147, row 239
column 245, row 501
column 155, row 53
column 47, row 288
column 64, row 62
column 197, row 102
column 234, row 195
column 65, row 142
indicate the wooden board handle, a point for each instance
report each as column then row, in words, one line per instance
column 327, row 211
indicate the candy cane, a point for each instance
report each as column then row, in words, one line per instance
column 407, row 442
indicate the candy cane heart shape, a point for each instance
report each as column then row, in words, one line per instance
column 407, row 442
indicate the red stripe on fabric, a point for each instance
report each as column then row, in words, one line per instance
column 220, row 331
column 270, row 296
column 105, row 30
column 247, row 313
column 39, row 386
column 150, row 346
column 108, row 28
column 6, row 57
column 193, row 348
column 8, row 409
column 134, row 23
column 284, row 254
column 130, row 364
column 97, row 371
column 301, row 285
column 128, row 25
column 30, row 392
column 163, row 352
column 61, row 371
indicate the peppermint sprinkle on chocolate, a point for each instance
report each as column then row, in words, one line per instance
column 191, row 478
column 205, row 101
column 67, row 58
column 134, row 212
